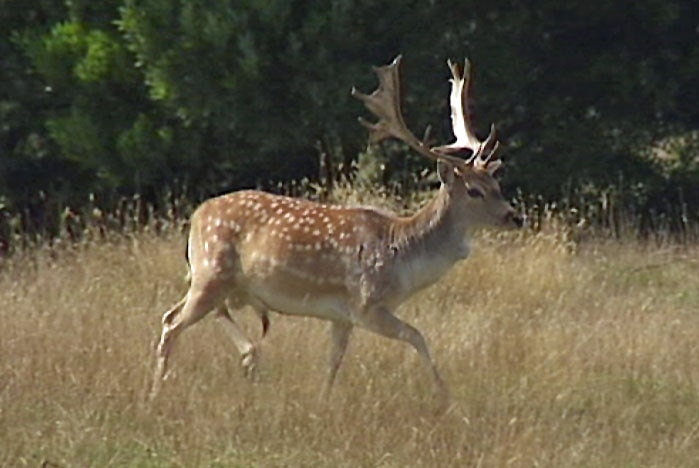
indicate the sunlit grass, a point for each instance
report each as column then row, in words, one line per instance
column 556, row 354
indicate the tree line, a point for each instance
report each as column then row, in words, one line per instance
column 104, row 99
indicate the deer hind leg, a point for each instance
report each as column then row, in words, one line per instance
column 340, row 334
column 381, row 321
column 193, row 307
column 247, row 349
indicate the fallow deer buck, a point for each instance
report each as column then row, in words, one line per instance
column 351, row 266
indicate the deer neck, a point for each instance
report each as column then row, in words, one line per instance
column 426, row 245
column 434, row 228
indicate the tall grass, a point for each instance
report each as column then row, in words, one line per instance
column 561, row 348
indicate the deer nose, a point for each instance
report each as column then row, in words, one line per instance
column 513, row 218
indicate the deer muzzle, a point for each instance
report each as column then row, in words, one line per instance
column 514, row 219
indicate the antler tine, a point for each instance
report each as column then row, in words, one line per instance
column 489, row 146
column 484, row 158
column 385, row 104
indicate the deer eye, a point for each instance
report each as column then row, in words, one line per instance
column 475, row 193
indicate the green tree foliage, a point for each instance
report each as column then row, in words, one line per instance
column 24, row 145
column 126, row 96
column 263, row 82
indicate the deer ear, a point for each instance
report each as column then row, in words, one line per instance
column 446, row 172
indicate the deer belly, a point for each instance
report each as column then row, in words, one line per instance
column 294, row 287
column 299, row 300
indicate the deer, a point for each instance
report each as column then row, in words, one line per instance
column 351, row 266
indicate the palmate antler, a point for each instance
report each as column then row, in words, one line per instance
column 385, row 104
column 483, row 151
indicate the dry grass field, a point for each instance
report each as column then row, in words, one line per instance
column 556, row 355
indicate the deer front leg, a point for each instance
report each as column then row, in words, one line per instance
column 379, row 320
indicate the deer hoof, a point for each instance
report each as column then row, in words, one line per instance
column 249, row 363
